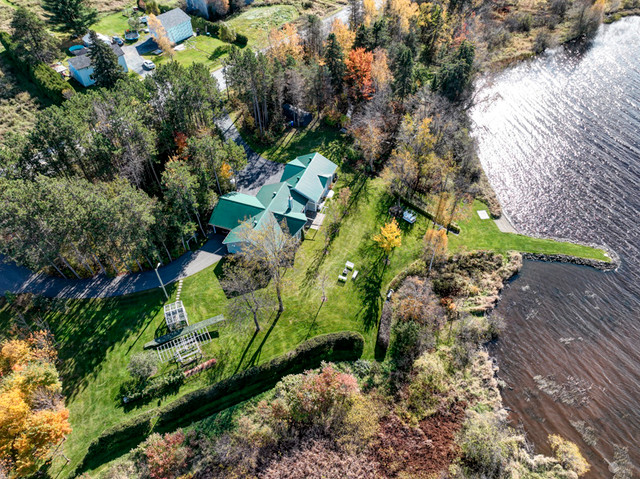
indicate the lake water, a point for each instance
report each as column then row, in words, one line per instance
column 559, row 138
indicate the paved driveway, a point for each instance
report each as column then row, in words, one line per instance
column 20, row 280
column 259, row 171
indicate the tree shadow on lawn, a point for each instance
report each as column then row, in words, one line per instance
column 369, row 283
column 359, row 188
column 89, row 329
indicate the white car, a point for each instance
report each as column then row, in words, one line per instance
column 148, row 65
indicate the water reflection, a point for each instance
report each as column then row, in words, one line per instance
column 559, row 138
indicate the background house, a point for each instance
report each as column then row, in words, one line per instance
column 176, row 23
column 203, row 7
column 305, row 182
column 81, row 69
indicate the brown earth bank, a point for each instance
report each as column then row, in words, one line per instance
column 419, row 451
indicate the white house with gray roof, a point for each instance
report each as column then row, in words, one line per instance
column 176, row 23
column 81, row 69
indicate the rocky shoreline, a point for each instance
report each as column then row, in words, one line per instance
column 563, row 258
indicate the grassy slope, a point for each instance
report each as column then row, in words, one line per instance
column 484, row 234
column 256, row 22
column 19, row 99
column 296, row 142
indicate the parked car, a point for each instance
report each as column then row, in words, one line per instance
column 157, row 52
column 117, row 40
column 144, row 19
column 148, row 65
column 145, row 30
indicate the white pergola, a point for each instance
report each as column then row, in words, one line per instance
column 175, row 316
column 184, row 348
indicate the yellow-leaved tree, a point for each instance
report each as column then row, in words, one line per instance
column 402, row 12
column 344, row 36
column 33, row 419
column 390, row 237
column 370, row 11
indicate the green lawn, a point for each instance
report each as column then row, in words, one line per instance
column 256, row 22
column 484, row 234
column 297, row 141
column 197, row 50
column 112, row 24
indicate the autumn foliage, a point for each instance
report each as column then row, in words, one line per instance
column 358, row 76
column 33, row 419
column 389, row 237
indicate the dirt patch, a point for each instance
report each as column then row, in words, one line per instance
column 418, row 451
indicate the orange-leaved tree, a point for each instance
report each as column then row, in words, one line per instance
column 33, row 419
column 285, row 43
column 358, row 75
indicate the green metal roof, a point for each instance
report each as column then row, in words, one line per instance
column 312, row 179
column 234, row 208
column 303, row 179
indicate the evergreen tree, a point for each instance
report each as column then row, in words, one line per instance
column 364, row 38
column 334, row 59
column 73, row 16
column 403, row 68
column 106, row 69
column 32, row 40
column 455, row 73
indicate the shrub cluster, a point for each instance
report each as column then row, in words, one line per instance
column 48, row 81
column 156, row 387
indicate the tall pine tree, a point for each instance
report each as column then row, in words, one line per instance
column 32, row 40
column 72, row 16
column 106, row 70
column 334, row 58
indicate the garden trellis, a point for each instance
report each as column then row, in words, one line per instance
column 175, row 316
column 185, row 348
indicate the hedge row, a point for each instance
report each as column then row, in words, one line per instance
column 48, row 81
column 345, row 346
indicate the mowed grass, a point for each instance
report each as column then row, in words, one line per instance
column 112, row 24
column 97, row 337
column 257, row 22
column 477, row 234
column 197, row 50
column 296, row 141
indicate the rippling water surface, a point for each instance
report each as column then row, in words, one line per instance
column 559, row 138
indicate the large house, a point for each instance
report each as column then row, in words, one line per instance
column 176, row 23
column 305, row 182
column 81, row 69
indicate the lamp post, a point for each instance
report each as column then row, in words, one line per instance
column 161, row 283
